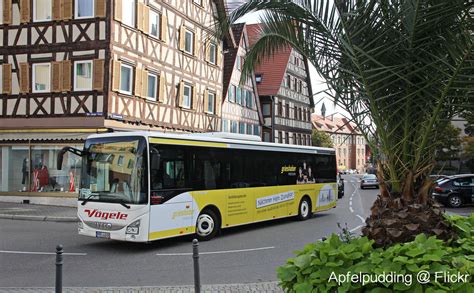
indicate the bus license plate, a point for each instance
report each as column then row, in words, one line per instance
column 99, row 234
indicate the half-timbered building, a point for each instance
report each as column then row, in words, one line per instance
column 285, row 93
column 75, row 67
column 241, row 112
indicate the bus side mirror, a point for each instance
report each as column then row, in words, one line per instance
column 61, row 157
column 155, row 159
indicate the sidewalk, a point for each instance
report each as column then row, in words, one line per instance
column 34, row 212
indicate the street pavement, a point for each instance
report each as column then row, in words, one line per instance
column 241, row 259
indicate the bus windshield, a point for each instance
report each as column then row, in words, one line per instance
column 114, row 170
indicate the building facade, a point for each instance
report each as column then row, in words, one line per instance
column 241, row 112
column 349, row 143
column 75, row 67
column 285, row 93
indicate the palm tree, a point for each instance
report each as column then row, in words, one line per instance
column 401, row 68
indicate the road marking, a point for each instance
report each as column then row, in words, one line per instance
column 216, row 252
column 351, row 209
column 361, row 218
column 356, row 228
column 40, row 253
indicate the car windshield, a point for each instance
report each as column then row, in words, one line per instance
column 114, row 171
column 369, row 176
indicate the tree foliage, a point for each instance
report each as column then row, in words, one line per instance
column 321, row 139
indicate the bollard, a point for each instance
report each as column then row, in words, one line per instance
column 59, row 268
column 197, row 281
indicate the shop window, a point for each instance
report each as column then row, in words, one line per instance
column 41, row 77
column 84, row 8
column 42, row 10
column 83, row 75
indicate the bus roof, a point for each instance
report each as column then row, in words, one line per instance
column 213, row 141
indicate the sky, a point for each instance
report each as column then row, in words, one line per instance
column 317, row 82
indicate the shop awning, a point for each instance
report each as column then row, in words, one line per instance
column 9, row 136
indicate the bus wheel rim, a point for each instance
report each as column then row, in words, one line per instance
column 304, row 208
column 205, row 225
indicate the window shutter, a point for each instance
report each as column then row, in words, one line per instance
column 67, row 9
column 162, row 88
column 118, row 10
column 138, row 82
column 100, row 8
column 145, row 83
column 195, row 45
column 7, row 79
column 98, row 75
column 182, row 32
column 140, row 16
column 7, row 11
column 206, row 100
column 194, row 99
column 116, row 75
column 181, row 94
column 164, row 28
column 218, row 105
column 219, row 56
column 24, row 78
column 67, row 76
column 208, row 51
column 25, row 11
column 56, row 73
column 57, row 9
column 146, row 19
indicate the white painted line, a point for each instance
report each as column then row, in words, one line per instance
column 40, row 253
column 351, row 209
column 356, row 228
column 361, row 218
column 216, row 252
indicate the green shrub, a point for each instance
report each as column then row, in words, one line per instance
column 329, row 265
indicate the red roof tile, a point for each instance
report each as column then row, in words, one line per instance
column 272, row 68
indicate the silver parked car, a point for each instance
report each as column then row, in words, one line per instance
column 369, row 180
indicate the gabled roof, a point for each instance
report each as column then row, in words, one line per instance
column 231, row 54
column 333, row 124
column 272, row 68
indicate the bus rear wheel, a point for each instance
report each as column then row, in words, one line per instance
column 207, row 225
column 304, row 210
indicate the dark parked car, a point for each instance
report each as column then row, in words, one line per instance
column 456, row 190
column 369, row 180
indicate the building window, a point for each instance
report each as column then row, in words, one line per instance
column 287, row 138
column 152, row 87
column 231, row 94
column 266, row 136
column 198, row 2
column 225, row 125
column 238, row 63
column 188, row 41
column 41, row 77
column 300, row 86
column 212, row 53
column 1, row 69
column 288, row 81
column 233, row 126
column 256, row 130
column 154, row 24
column 242, row 128
column 187, row 93
column 238, row 95
column 126, row 79
column 258, row 78
column 211, row 100
column 83, row 75
column 84, row 8
column 280, row 109
column 266, row 109
column 42, row 10
column 128, row 12
column 1, row 12
column 280, row 137
column 249, row 128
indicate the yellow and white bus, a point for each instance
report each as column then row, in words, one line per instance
column 144, row 186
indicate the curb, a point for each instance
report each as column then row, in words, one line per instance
column 39, row 218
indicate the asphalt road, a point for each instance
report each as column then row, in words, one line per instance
column 240, row 255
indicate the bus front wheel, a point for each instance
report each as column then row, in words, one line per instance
column 304, row 210
column 207, row 225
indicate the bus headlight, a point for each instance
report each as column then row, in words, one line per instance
column 133, row 228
